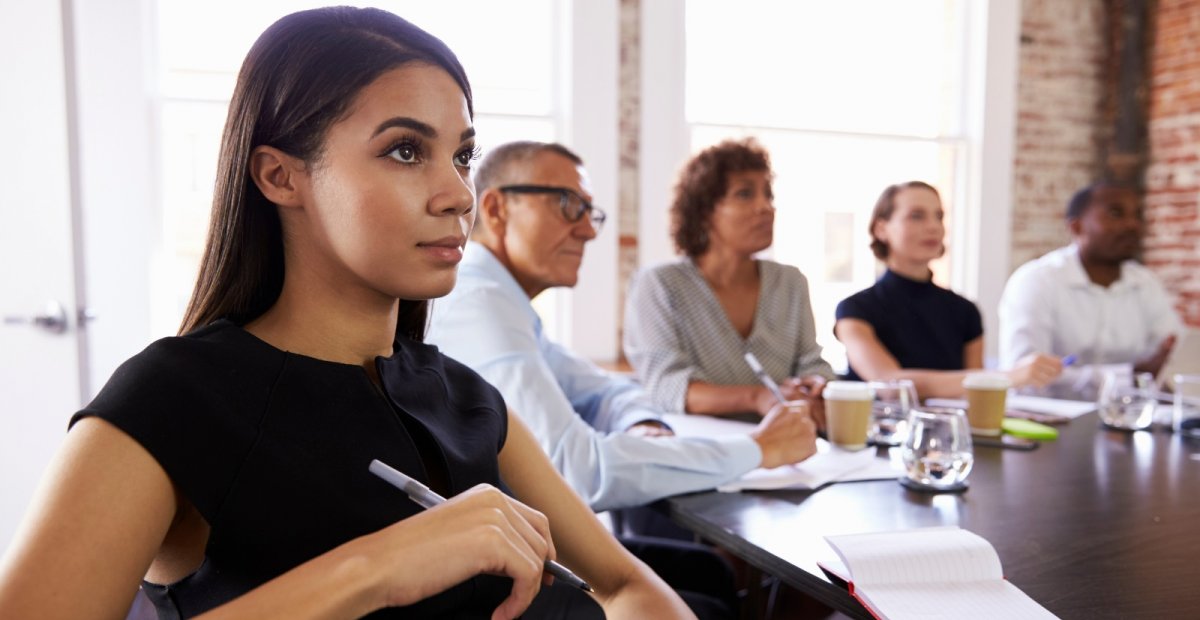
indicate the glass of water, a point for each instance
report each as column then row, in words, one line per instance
column 1127, row 401
column 889, row 411
column 937, row 453
column 1186, row 410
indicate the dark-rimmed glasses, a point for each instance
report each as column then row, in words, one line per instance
column 573, row 206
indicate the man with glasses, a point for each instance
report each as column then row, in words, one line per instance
column 602, row 433
column 534, row 218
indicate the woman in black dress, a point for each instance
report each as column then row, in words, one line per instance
column 907, row 327
column 227, row 468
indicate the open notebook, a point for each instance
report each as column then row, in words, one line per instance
column 936, row 572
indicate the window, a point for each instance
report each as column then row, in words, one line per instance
column 848, row 97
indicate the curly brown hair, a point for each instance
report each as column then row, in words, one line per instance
column 702, row 182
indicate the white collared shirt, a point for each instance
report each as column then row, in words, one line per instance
column 1051, row 306
column 577, row 411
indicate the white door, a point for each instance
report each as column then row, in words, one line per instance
column 39, row 369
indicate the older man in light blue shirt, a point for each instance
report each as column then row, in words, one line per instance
column 534, row 219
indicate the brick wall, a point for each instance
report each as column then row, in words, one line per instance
column 630, row 106
column 1173, row 174
column 1060, row 117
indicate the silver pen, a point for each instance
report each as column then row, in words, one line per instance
column 764, row 377
column 426, row 498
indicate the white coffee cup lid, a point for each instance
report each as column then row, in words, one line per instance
column 987, row 381
column 847, row 390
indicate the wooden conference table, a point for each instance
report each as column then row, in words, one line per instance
column 1098, row 524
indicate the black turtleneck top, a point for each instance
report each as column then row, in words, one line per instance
column 920, row 323
column 272, row 448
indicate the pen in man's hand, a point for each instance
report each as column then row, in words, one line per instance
column 764, row 377
column 425, row 496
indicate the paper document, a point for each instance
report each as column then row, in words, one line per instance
column 937, row 572
column 1038, row 404
column 828, row 465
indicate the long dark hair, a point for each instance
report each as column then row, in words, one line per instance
column 299, row 78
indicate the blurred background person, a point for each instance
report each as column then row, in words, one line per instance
column 1092, row 299
column 905, row 326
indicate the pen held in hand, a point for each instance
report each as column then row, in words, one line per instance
column 764, row 377
column 426, row 498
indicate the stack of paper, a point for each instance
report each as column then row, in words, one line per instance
column 828, row 465
column 1070, row 409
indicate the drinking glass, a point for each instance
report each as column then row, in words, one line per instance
column 1186, row 412
column 937, row 453
column 889, row 411
column 1127, row 401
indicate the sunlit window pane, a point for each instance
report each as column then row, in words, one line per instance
column 878, row 66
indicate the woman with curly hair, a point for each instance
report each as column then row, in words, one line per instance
column 690, row 322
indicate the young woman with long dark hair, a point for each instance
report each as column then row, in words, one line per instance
column 227, row 469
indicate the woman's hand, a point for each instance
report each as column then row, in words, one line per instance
column 478, row 531
column 1035, row 370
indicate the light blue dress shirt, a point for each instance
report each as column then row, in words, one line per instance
column 577, row 411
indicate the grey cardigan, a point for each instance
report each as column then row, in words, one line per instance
column 677, row 332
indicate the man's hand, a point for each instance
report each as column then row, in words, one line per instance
column 1154, row 363
column 808, row 388
column 1036, row 370
column 650, row 428
column 786, row 435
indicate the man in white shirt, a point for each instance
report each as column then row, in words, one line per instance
column 1091, row 302
column 534, row 218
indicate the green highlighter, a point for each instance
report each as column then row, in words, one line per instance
column 1030, row 430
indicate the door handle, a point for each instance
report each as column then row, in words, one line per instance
column 53, row 319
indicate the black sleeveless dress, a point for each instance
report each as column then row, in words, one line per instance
column 272, row 448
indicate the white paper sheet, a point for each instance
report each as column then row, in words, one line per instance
column 828, row 465
column 1037, row 404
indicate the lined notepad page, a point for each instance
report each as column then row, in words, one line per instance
column 937, row 572
column 931, row 554
column 979, row 600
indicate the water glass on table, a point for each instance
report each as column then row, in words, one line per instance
column 889, row 411
column 1186, row 409
column 937, row 453
column 1127, row 401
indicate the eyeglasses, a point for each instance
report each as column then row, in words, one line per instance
column 573, row 206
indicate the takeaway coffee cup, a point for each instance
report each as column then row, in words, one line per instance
column 986, row 392
column 848, row 413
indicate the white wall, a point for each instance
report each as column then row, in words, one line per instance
column 591, row 131
column 118, row 179
column 992, row 123
column 665, row 140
